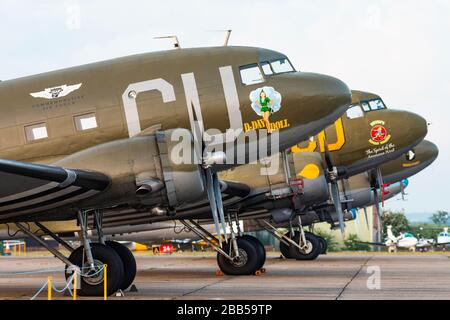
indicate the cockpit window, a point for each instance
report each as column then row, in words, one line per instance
column 355, row 112
column 251, row 74
column 282, row 66
column 365, row 106
column 373, row 105
column 376, row 104
column 267, row 69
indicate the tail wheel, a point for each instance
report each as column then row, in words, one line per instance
column 261, row 250
column 284, row 248
column 245, row 264
column 310, row 252
column 129, row 263
column 92, row 281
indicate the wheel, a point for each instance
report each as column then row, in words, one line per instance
column 284, row 248
column 323, row 244
column 246, row 264
column 129, row 263
column 412, row 249
column 311, row 252
column 92, row 281
column 260, row 248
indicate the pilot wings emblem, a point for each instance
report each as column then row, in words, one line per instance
column 56, row 92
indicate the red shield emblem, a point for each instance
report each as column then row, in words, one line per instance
column 378, row 133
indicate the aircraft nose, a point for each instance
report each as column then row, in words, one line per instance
column 430, row 150
column 404, row 129
column 330, row 95
column 416, row 127
column 312, row 103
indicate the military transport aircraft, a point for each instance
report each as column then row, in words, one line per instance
column 77, row 142
column 299, row 185
column 357, row 194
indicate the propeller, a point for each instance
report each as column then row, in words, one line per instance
column 211, row 181
column 377, row 184
column 367, row 218
column 333, row 175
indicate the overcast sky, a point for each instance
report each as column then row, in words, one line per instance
column 399, row 49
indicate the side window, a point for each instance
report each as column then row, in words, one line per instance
column 36, row 132
column 85, row 122
column 355, row 112
column 251, row 74
column 266, row 68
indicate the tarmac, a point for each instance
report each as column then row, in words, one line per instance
column 334, row 276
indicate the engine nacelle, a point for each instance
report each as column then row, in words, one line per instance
column 145, row 169
column 309, row 167
column 182, row 175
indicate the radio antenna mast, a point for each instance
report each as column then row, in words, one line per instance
column 175, row 39
column 227, row 38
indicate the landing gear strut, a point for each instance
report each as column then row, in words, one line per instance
column 299, row 245
column 240, row 255
column 91, row 259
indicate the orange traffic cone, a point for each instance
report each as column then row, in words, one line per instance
column 7, row 251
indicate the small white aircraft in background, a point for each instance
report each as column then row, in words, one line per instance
column 443, row 240
column 405, row 240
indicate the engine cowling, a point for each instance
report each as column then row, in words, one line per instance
column 144, row 169
column 309, row 167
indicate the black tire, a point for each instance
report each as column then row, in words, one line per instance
column 284, row 248
column 103, row 255
column 312, row 252
column 323, row 244
column 129, row 263
column 249, row 259
column 260, row 248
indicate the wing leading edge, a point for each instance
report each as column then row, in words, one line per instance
column 28, row 188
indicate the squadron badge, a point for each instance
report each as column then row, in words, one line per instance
column 56, row 92
column 378, row 133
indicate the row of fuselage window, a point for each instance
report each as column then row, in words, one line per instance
column 39, row 131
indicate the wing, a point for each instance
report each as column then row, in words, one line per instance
column 27, row 188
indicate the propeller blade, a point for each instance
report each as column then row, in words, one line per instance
column 381, row 185
column 335, row 194
column 328, row 160
column 212, row 202
column 367, row 218
column 377, row 202
column 336, row 197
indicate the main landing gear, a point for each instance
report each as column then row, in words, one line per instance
column 90, row 259
column 237, row 255
column 299, row 245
